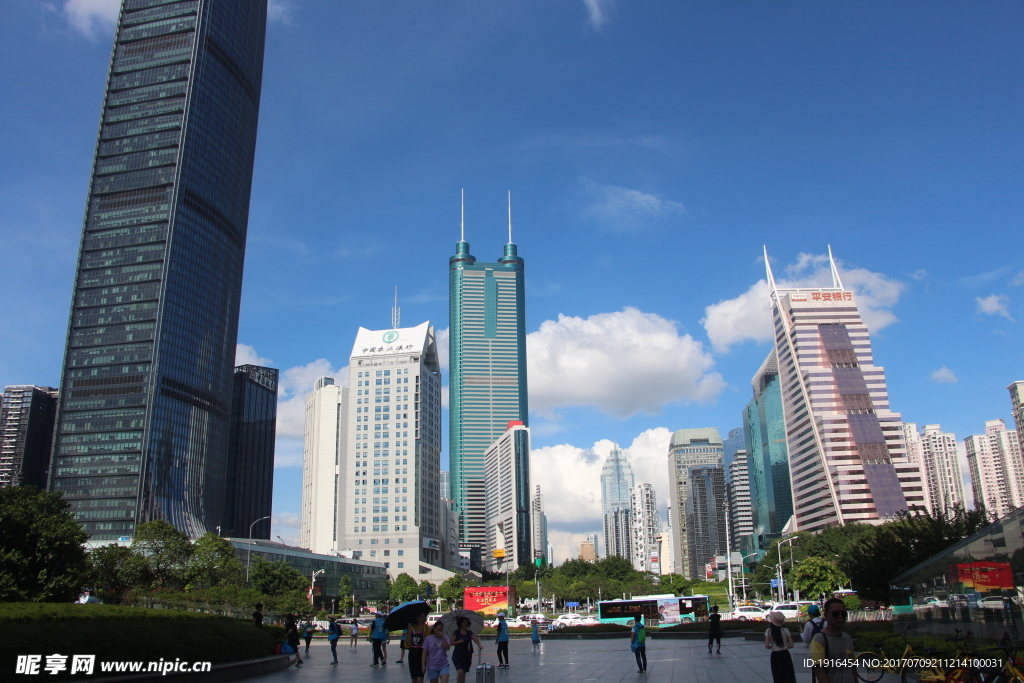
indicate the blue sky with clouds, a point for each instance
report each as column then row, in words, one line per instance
column 651, row 149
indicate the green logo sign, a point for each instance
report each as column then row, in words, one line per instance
column 390, row 336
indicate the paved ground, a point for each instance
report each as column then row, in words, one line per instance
column 568, row 661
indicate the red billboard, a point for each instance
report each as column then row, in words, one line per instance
column 489, row 599
column 983, row 576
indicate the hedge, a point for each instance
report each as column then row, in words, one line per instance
column 116, row 633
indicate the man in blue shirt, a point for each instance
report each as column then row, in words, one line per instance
column 377, row 636
column 502, row 641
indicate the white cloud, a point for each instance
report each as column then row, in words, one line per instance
column 280, row 11
column 995, row 304
column 624, row 210
column 92, row 17
column 565, row 545
column 621, row 363
column 945, row 376
column 294, row 385
column 598, row 12
column 246, row 355
column 748, row 316
column 285, row 525
column 441, row 338
column 1018, row 279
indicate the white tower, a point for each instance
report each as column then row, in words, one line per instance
column 321, row 457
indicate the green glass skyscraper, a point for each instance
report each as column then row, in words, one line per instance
column 487, row 385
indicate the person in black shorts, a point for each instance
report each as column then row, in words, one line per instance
column 462, row 648
column 414, row 637
column 715, row 632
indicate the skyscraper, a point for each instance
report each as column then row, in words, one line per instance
column 1016, row 390
column 771, row 498
column 942, row 462
column 539, row 523
column 324, row 437
column 734, row 442
column 646, row 524
column 142, row 431
column 741, row 526
column 915, row 455
column 487, row 387
column 389, row 497
column 26, row 434
column 694, row 527
column 616, row 483
column 250, row 491
column 847, row 456
column 507, row 496
column 997, row 468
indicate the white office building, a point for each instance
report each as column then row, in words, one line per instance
column 847, row 452
column 997, row 468
column 741, row 518
column 323, row 445
column 646, row 523
column 507, row 500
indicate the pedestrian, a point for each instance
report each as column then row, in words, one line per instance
column 353, row 632
column 535, row 637
column 414, row 637
column 384, row 647
column 401, row 648
column 307, row 633
column 715, row 632
column 638, row 643
column 377, row 636
column 435, row 654
column 291, row 636
column 462, row 642
column 502, row 641
column 813, row 625
column 780, row 641
column 257, row 616
column 333, row 633
column 831, row 649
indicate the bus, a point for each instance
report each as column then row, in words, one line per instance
column 657, row 610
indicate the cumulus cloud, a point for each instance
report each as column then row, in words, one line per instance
column 92, row 17
column 565, row 545
column 748, row 316
column 441, row 338
column 285, row 525
column 246, row 355
column 294, row 385
column 621, row 363
column 280, row 11
column 598, row 12
column 622, row 209
column 995, row 304
column 1018, row 279
column 945, row 376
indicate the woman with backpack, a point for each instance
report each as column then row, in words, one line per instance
column 638, row 643
column 779, row 640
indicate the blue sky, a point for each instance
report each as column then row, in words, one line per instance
column 651, row 149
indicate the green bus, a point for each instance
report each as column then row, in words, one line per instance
column 657, row 610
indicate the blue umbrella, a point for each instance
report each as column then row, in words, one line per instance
column 406, row 613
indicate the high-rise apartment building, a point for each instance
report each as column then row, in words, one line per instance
column 915, row 455
column 941, row 461
column 27, row 413
column 250, row 491
column 390, row 502
column 616, row 483
column 539, row 523
column 325, row 436
column 741, row 524
column 847, row 455
column 487, row 386
column 143, row 425
column 507, row 496
column 689, row 449
column 997, row 468
column 1017, row 405
column 646, row 523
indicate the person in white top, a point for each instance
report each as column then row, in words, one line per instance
column 813, row 624
column 779, row 640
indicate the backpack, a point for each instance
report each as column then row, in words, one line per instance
column 333, row 631
column 816, row 629
column 641, row 636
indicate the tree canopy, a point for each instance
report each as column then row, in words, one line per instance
column 403, row 589
column 275, row 578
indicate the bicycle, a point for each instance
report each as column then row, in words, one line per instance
column 1010, row 672
column 871, row 666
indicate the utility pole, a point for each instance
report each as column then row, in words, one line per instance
column 248, row 556
column 728, row 552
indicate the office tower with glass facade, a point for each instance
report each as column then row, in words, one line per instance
column 741, row 525
column 27, row 413
column 487, row 387
column 730, row 445
column 997, row 468
column 389, row 495
column 646, row 524
column 689, row 449
column 616, row 484
column 250, row 489
column 705, row 510
column 764, row 425
column 143, row 426
column 847, row 454
column 325, row 434
column 507, row 496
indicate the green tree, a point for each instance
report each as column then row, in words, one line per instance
column 41, row 553
column 345, row 601
column 451, row 590
column 213, row 563
column 615, row 567
column 425, row 590
column 166, row 551
column 403, row 589
column 276, row 578
column 116, row 569
column 677, row 583
column 816, row 576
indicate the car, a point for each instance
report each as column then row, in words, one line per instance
column 931, row 601
column 536, row 618
column 790, row 610
column 747, row 613
column 587, row 621
column 568, row 618
column 957, row 599
column 991, row 602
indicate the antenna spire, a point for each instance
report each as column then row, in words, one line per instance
column 768, row 269
column 836, row 282
column 396, row 313
column 510, row 216
column 462, row 220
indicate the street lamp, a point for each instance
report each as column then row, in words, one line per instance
column 312, row 582
column 248, row 556
column 782, row 593
column 743, row 578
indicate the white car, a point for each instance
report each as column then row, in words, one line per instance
column 991, row 602
column 536, row 618
column 568, row 618
column 747, row 613
column 789, row 610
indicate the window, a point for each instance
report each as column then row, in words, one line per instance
column 401, row 552
column 387, row 553
column 373, row 553
column 401, row 565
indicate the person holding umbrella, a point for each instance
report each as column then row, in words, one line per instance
column 414, row 637
column 462, row 642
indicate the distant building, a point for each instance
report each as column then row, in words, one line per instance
column 646, row 550
column 446, row 485
column 250, row 491
column 325, row 436
column 665, row 550
column 595, row 539
column 1017, row 406
column 616, row 484
column 741, row 526
column 706, row 536
column 690, row 448
column 588, row 553
column 539, row 525
column 915, row 454
column 735, row 442
column 941, row 460
column 472, row 556
column 27, row 416
column 507, row 499
column 997, row 468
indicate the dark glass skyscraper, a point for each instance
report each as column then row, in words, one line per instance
column 250, row 490
column 26, row 434
column 143, row 423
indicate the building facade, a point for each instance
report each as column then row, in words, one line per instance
column 617, row 482
column 250, row 493
column 588, row 553
column 915, row 455
column 507, row 496
column 847, row 455
column 646, row 524
column 734, row 442
column 487, row 361
column 143, row 426
column 27, row 415
column 539, row 525
column 997, row 468
column 941, row 466
column 324, row 438
column 706, row 527
column 691, row 448
column 741, row 524
column 1017, row 406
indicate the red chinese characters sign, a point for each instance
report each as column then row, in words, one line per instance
column 984, row 576
column 488, row 599
column 832, row 296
